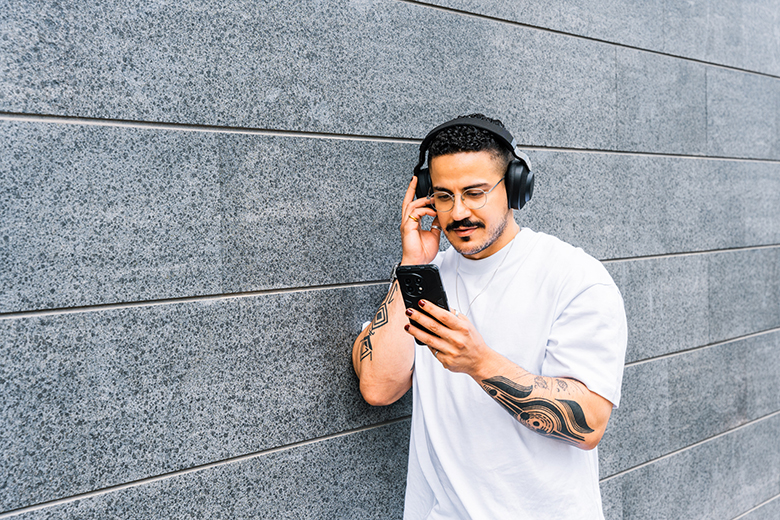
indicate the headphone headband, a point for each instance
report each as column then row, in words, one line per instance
column 501, row 133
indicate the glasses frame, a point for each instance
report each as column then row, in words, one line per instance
column 463, row 200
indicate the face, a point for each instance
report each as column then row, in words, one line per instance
column 475, row 233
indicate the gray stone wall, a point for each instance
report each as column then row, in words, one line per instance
column 199, row 204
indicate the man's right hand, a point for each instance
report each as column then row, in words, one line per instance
column 419, row 245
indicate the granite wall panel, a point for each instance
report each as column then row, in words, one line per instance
column 662, row 103
column 96, row 399
column 617, row 206
column 311, row 481
column 768, row 511
column 744, row 292
column 677, row 401
column 98, row 214
column 732, row 32
column 682, row 302
column 370, row 68
column 95, row 215
column 720, row 478
column 743, row 34
column 360, row 68
column 742, row 114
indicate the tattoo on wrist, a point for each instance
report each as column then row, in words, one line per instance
column 556, row 418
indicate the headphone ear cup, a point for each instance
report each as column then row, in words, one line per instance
column 519, row 184
column 424, row 184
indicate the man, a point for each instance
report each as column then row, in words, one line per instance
column 537, row 329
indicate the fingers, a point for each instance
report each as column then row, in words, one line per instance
column 434, row 343
column 441, row 326
column 451, row 319
column 435, row 226
column 409, row 196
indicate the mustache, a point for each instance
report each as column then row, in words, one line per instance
column 465, row 223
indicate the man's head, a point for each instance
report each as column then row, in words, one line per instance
column 463, row 160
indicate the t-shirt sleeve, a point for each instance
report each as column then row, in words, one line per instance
column 588, row 340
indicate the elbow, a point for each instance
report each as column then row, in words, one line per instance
column 590, row 443
column 376, row 397
column 594, row 438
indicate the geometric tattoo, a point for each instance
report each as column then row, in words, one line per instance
column 380, row 319
column 366, row 350
column 557, row 418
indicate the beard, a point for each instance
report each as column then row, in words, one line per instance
column 465, row 248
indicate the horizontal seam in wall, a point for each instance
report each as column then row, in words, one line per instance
column 690, row 253
column 586, row 38
column 692, row 446
column 185, row 299
column 703, row 347
column 211, row 465
column 284, row 290
column 759, row 506
column 185, row 127
column 189, row 127
column 654, row 155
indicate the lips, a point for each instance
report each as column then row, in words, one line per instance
column 464, row 228
column 465, row 231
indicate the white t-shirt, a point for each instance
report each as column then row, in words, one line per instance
column 553, row 310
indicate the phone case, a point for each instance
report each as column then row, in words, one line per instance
column 421, row 282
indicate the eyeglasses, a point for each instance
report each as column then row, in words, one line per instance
column 473, row 198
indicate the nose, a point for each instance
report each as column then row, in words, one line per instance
column 459, row 210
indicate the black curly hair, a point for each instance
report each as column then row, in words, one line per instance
column 465, row 138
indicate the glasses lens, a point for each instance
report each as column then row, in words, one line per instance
column 474, row 198
column 442, row 201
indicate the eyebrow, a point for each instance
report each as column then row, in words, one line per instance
column 480, row 185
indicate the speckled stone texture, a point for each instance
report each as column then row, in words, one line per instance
column 678, row 303
column 745, row 109
column 616, row 206
column 94, row 215
column 98, row 214
column 768, row 511
column 677, row 401
column 96, row 399
column 367, row 68
column 731, row 32
column 305, row 482
column 662, row 103
column 718, row 479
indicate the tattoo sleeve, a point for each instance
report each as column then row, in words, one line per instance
column 561, row 419
column 381, row 318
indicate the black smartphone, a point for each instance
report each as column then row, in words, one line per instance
column 421, row 282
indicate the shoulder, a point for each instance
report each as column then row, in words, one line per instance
column 567, row 262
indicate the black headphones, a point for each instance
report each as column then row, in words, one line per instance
column 519, row 178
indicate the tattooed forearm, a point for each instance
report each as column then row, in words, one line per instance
column 557, row 418
column 380, row 319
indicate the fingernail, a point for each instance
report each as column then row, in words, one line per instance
column 408, row 312
column 421, row 303
column 406, row 327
